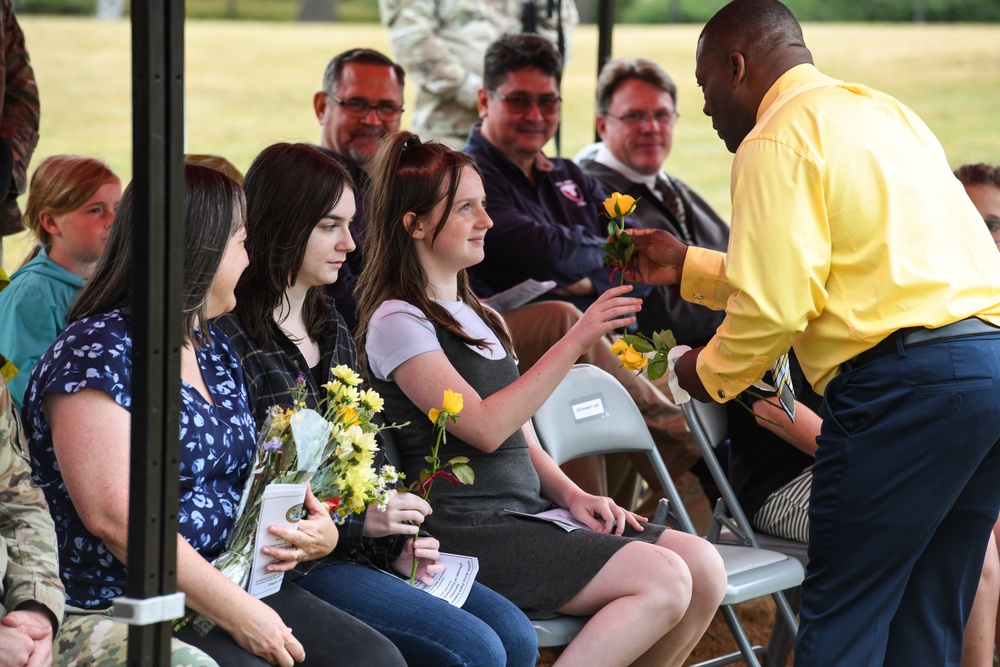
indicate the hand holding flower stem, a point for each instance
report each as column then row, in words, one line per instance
column 460, row 472
column 633, row 349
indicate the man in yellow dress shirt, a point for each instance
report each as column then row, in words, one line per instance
column 853, row 243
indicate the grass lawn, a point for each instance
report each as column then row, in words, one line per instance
column 251, row 84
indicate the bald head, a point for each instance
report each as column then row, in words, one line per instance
column 742, row 51
column 764, row 31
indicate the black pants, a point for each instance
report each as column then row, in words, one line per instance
column 328, row 635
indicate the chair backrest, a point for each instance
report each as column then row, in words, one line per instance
column 710, row 418
column 590, row 412
column 709, row 425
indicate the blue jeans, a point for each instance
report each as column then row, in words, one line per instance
column 487, row 631
column 906, row 490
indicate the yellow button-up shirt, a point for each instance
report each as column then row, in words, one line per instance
column 847, row 225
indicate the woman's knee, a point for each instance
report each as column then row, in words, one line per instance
column 708, row 570
column 663, row 580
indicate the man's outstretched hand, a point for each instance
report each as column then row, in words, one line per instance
column 658, row 258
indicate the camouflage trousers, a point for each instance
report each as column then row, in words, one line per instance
column 94, row 639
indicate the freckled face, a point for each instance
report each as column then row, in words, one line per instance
column 461, row 242
column 81, row 234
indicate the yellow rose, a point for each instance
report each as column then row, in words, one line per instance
column 433, row 414
column 618, row 205
column 347, row 416
column 619, row 347
column 452, row 402
column 632, row 359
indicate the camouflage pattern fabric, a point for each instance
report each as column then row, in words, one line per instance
column 28, row 564
column 441, row 46
column 19, row 114
column 94, row 639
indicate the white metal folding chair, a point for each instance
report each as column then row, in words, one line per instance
column 592, row 413
column 709, row 425
column 557, row 631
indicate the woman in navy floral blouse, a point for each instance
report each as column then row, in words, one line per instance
column 77, row 423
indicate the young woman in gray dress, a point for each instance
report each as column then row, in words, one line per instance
column 652, row 592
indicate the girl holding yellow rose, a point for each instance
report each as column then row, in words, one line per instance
column 421, row 331
column 300, row 202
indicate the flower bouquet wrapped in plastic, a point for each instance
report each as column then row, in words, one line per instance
column 331, row 447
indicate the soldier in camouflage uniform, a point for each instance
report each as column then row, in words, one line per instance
column 441, row 45
column 18, row 115
column 31, row 595
column 94, row 639
column 30, row 584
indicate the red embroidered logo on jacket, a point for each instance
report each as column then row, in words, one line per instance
column 571, row 191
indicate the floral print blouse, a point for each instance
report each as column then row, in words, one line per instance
column 217, row 443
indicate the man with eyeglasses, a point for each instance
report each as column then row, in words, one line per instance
column 361, row 102
column 636, row 117
column 441, row 45
column 547, row 225
column 982, row 184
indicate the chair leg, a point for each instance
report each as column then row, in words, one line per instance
column 782, row 639
column 742, row 641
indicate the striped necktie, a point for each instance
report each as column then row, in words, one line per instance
column 671, row 199
column 783, row 385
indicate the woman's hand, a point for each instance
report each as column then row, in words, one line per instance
column 611, row 310
column 426, row 549
column 315, row 537
column 259, row 629
column 602, row 514
column 402, row 516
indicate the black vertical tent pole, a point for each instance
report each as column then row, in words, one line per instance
column 157, row 272
column 605, row 22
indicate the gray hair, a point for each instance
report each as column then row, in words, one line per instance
column 619, row 70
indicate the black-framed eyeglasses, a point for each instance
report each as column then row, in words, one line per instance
column 547, row 104
column 360, row 107
column 662, row 117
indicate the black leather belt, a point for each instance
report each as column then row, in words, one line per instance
column 912, row 336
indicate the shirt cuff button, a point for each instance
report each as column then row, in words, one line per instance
column 722, row 394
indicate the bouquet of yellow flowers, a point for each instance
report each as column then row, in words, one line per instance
column 331, row 447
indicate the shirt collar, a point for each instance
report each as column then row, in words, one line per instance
column 606, row 157
column 791, row 83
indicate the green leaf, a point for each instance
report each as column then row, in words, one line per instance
column 656, row 369
column 628, row 253
column 458, row 459
column 612, row 228
column 424, row 474
column 642, row 345
column 429, row 459
column 667, row 336
column 625, row 239
column 464, row 473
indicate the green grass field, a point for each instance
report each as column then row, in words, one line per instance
column 251, row 84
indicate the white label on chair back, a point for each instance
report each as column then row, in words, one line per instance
column 589, row 408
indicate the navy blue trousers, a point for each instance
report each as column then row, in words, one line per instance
column 906, row 489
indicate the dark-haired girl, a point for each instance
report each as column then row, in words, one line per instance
column 423, row 331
